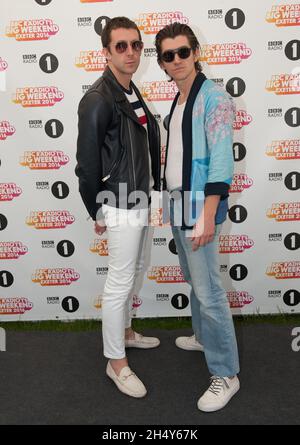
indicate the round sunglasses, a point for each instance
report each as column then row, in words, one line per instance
column 122, row 45
column 183, row 53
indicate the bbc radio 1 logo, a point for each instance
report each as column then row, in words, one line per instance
column 55, row 277
column 9, row 191
column 100, row 247
column 242, row 119
column 50, row 219
column 38, row 96
column 284, row 270
column 284, row 15
column 93, row 60
column 35, row 29
column 285, row 149
column 6, row 129
column 153, row 22
column 12, row 250
column 234, row 18
column 283, row 84
column 160, row 90
column 284, row 211
column 44, row 160
column 224, row 53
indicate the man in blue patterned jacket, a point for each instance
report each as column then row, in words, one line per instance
column 198, row 173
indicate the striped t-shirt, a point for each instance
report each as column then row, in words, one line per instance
column 140, row 112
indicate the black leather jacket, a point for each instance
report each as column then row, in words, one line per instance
column 113, row 147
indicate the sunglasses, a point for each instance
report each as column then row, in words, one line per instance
column 122, row 45
column 183, row 53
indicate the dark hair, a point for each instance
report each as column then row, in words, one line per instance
column 116, row 23
column 172, row 31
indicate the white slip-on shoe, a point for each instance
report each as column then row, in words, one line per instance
column 127, row 382
column 220, row 391
column 139, row 341
column 189, row 343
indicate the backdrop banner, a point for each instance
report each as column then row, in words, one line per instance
column 52, row 264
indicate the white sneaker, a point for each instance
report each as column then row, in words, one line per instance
column 139, row 341
column 127, row 382
column 189, row 343
column 219, row 393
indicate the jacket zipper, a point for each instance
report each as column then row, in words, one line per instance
column 131, row 150
column 116, row 163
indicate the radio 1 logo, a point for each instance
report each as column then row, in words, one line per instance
column 100, row 247
column 93, row 60
column 12, row 250
column 50, row 219
column 160, row 90
column 35, row 29
column 153, row 22
column 242, row 119
column 284, row 149
column 166, row 274
column 55, row 277
column 234, row 243
column 224, row 53
column 38, row 96
column 284, row 270
column 282, row 84
column 9, row 191
column 44, row 160
column 284, row 15
column 15, row 305
column 284, row 211
column 6, row 129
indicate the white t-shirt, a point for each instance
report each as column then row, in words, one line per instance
column 175, row 150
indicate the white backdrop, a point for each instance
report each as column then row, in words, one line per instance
column 52, row 265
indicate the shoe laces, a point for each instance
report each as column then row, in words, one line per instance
column 217, row 384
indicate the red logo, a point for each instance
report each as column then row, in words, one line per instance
column 9, row 191
column 152, row 22
column 234, row 243
column 12, row 250
column 160, row 90
column 239, row 299
column 241, row 119
column 3, row 64
column 240, row 182
column 15, row 305
column 6, row 129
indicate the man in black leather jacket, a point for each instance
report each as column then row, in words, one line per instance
column 118, row 164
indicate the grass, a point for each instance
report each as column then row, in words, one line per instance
column 141, row 323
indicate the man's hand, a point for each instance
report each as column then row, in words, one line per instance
column 100, row 227
column 203, row 232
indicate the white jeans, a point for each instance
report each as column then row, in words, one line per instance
column 127, row 233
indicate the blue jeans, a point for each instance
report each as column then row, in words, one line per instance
column 211, row 315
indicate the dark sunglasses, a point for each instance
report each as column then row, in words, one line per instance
column 122, row 45
column 183, row 53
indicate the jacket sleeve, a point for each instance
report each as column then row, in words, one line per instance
column 94, row 116
column 219, row 120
